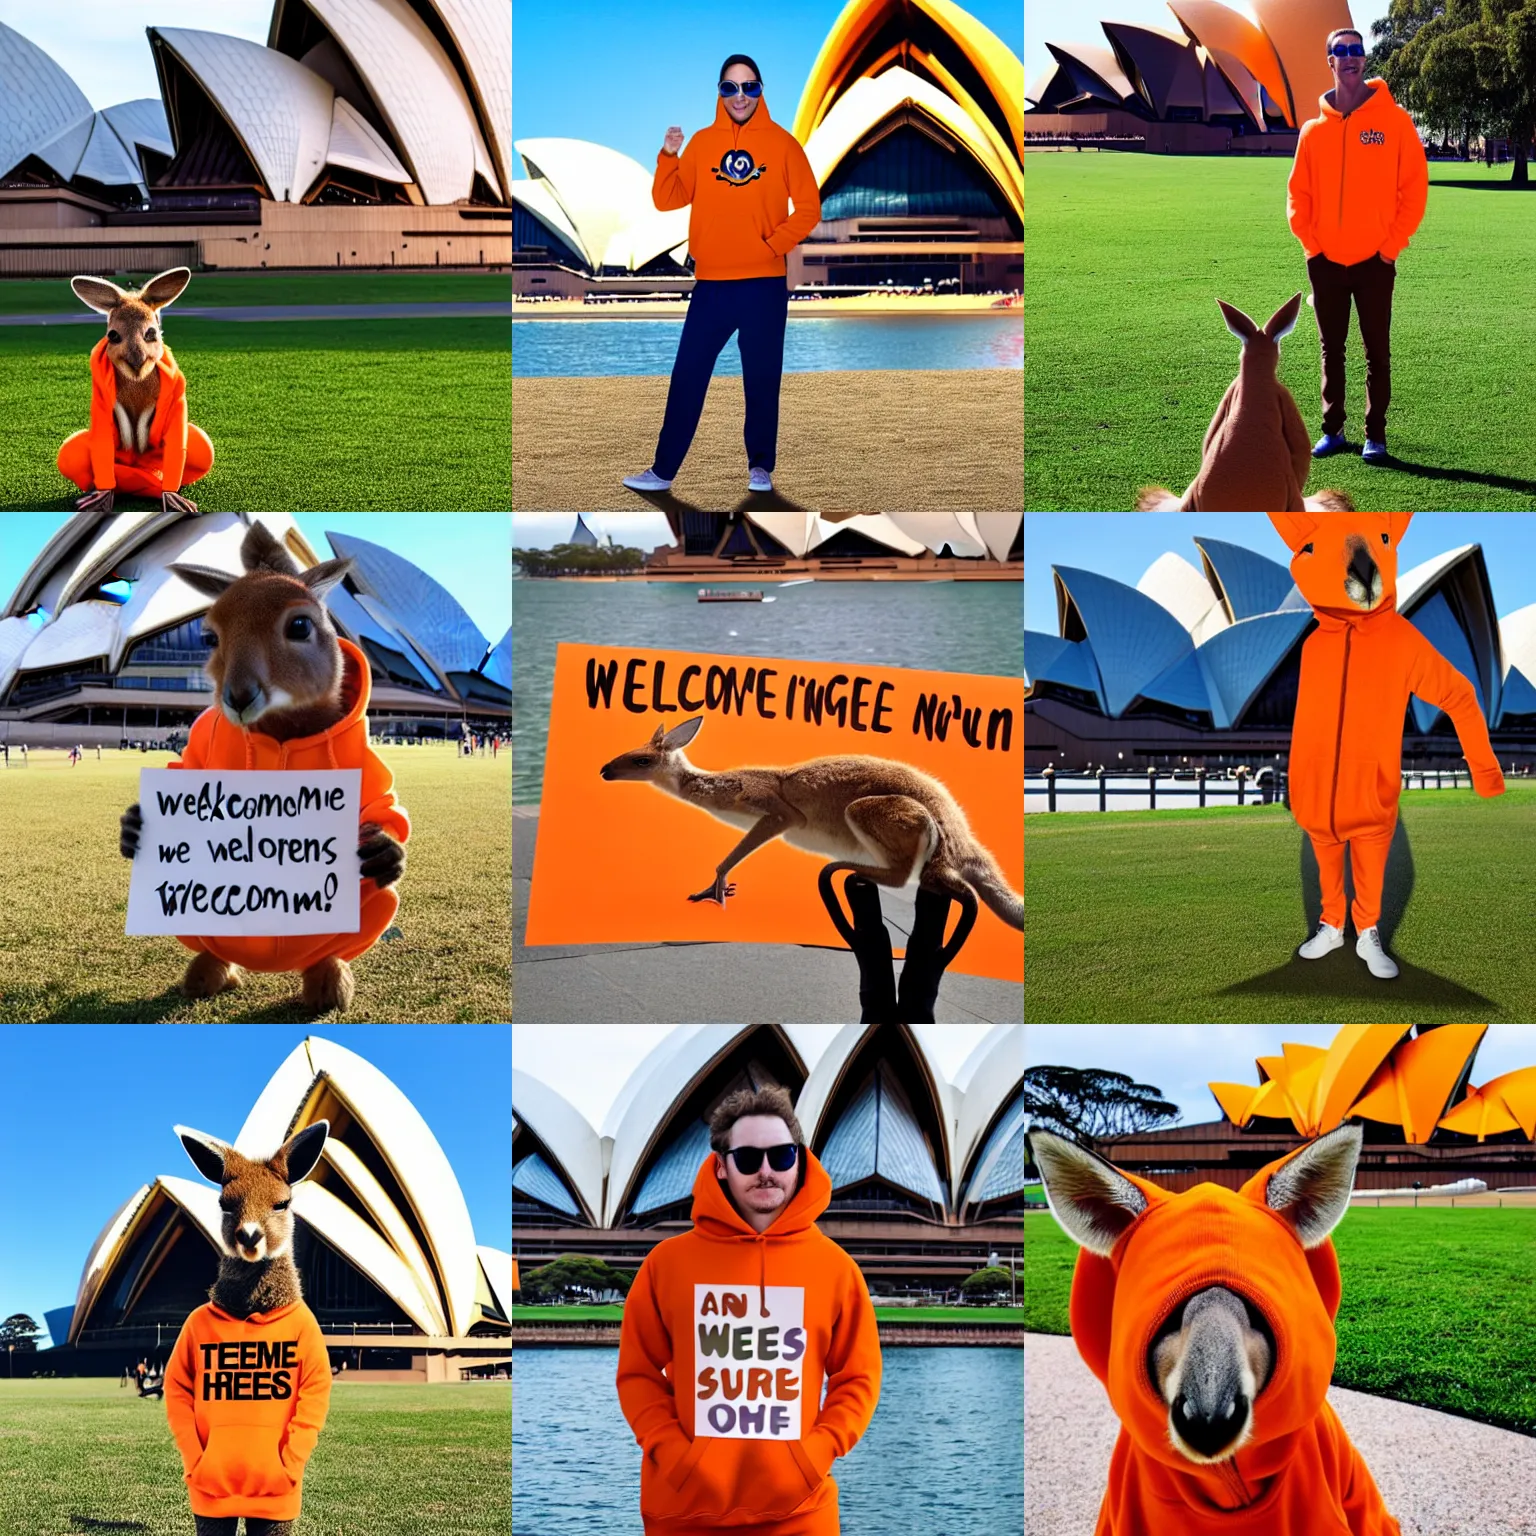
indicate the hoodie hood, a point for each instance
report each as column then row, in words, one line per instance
column 1180, row 1245
column 1333, row 550
column 760, row 119
column 256, row 1319
column 1378, row 102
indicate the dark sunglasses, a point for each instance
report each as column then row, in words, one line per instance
column 780, row 1158
column 752, row 88
column 1348, row 50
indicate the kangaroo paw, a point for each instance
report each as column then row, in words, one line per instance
column 715, row 893
column 207, row 976
column 1329, row 501
column 1156, row 498
column 328, row 984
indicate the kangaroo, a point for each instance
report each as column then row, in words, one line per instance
column 132, row 369
column 287, row 684
column 1256, row 454
column 883, row 820
column 1210, row 1322
column 248, row 1383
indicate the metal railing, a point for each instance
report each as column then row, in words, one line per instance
column 1452, row 778
column 1262, row 788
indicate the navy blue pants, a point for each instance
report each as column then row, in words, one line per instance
column 755, row 309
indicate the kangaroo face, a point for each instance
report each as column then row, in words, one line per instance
column 1344, row 560
column 652, row 761
column 135, row 339
column 1211, row 1359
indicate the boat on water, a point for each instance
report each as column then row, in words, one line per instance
column 730, row 595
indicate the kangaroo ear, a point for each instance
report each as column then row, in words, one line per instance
column 297, row 1156
column 1283, row 321
column 681, row 735
column 1311, row 1190
column 260, row 551
column 1296, row 528
column 209, row 582
column 206, row 1152
column 321, row 578
column 1094, row 1202
column 1237, row 322
column 166, row 288
column 97, row 293
column 1397, row 525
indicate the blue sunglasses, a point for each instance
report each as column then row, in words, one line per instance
column 752, row 88
column 1348, row 50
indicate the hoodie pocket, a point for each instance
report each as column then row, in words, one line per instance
column 763, row 1478
column 241, row 1460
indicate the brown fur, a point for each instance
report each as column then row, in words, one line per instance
column 133, row 316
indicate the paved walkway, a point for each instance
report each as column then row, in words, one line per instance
column 1439, row 1475
column 710, row 983
column 292, row 312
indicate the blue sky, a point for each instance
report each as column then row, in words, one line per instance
column 101, row 46
column 1124, row 544
column 1181, row 1059
column 94, row 1123
column 620, row 74
column 465, row 551
column 543, row 530
column 1072, row 21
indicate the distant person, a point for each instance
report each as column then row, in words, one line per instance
column 740, row 175
column 755, row 1292
column 1357, row 192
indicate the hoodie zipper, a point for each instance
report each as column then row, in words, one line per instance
column 1343, row 169
column 1338, row 740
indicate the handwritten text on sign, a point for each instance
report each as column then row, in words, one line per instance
column 747, row 1367
column 256, row 853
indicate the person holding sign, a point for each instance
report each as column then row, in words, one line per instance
column 292, row 695
column 730, row 1331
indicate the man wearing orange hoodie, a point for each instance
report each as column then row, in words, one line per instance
column 1357, row 192
column 740, row 175
column 729, row 1332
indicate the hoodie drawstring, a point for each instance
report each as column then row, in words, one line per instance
column 762, row 1275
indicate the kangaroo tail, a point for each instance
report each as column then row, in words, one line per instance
column 981, row 872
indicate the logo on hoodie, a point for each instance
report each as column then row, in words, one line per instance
column 1372, row 136
column 747, row 1366
column 737, row 168
column 249, row 1371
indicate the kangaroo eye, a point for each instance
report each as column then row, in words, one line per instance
column 149, row 335
column 1386, row 538
column 1306, row 549
column 299, row 628
column 113, row 337
column 282, row 1205
column 210, row 639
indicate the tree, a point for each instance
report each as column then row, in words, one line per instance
column 1086, row 1105
column 564, row 559
column 579, row 1272
column 20, row 1332
column 986, row 1284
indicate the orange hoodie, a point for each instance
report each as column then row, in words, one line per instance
column 1357, row 672
column 215, row 743
column 1360, row 184
column 246, row 1400
column 167, row 431
column 727, row 1337
column 1298, row 1475
column 739, row 179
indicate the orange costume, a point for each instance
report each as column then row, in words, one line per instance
column 215, row 743
column 179, row 452
column 1299, row 1474
column 728, row 1334
column 1357, row 671
column 246, row 1399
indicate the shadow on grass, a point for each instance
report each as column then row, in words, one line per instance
column 1488, row 186
column 97, row 1008
column 1343, row 975
column 86, row 1523
column 1462, row 476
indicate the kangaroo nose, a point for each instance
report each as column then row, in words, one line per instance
column 606, row 771
column 249, row 1236
column 1209, row 1427
column 240, row 699
column 1362, row 567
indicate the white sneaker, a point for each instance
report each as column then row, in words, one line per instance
column 647, row 480
column 1379, row 962
column 1323, row 942
column 760, row 480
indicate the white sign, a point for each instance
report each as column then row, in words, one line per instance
column 747, row 1367
column 259, row 853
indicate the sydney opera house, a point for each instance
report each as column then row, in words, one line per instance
column 363, row 133
column 927, row 1172
column 383, row 1241
column 912, row 118
column 1425, row 1122
column 1200, row 664
column 101, row 642
column 1214, row 81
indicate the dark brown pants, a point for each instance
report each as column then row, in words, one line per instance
column 220, row 1525
column 1369, row 284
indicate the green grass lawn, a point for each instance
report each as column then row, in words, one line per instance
column 65, row 959
column 614, row 1314
column 305, row 415
column 1128, row 355
column 1439, row 1306
column 1194, row 917
column 396, row 1460
column 53, row 295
